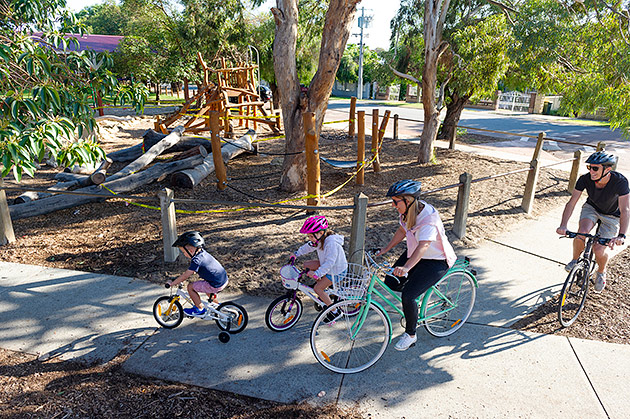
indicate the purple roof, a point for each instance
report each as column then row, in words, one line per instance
column 97, row 43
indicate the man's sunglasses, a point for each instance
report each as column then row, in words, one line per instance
column 593, row 168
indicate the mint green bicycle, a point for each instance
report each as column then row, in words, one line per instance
column 361, row 333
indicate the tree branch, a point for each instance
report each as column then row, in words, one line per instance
column 405, row 76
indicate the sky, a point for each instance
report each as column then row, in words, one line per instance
column 377, row 35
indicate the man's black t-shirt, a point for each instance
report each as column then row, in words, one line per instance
column 606, row 199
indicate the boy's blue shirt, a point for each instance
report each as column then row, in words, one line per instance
column 208, row 268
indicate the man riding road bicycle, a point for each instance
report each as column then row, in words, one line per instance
column 608, row 201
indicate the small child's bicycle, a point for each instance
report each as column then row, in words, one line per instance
column 285, row 311
column 229, row 316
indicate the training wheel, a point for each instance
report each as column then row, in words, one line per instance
column 224, row 337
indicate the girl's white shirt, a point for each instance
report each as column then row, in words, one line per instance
column 429, row 227
column 332, row 258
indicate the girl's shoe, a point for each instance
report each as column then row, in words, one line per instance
column 332, row 317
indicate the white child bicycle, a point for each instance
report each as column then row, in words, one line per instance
column 229, row 316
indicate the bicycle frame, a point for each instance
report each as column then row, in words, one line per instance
column 212, row 314
column 296, row 285
column 459, row 266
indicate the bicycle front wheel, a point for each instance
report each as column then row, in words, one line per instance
column 449, row 303
column 169, row 314
column 234, row 317
column 283, row 313
column 573, row 295
column 334, row 346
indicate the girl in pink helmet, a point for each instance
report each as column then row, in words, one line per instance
column 331, row 259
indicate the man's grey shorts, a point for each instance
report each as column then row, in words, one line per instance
column 610, row 223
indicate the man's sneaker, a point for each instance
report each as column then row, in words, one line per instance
column 600, row 281
column 332, row 317
column 405, row 342
column 194, row 312
column 570, row 265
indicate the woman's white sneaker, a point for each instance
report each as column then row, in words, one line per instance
column 405, row 342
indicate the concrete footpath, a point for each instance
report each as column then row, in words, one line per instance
column 484, row 370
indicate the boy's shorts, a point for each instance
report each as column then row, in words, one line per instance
column 204, row 286
column 610, row 223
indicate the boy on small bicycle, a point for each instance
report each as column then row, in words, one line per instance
column 205, row 265
column 331, row 260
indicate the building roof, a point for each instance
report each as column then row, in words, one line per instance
column 96, row 43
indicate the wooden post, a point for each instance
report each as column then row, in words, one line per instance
column 530, row 187
column 353, row 106
column 357, row 235
column 361, row 148
column 313, row 180
column 575, row 170
column 395, row 126
column 7, row 235
column 169, row 228
column 219, row 166
column 601, row 146
column 461, row 210
column 377, row 163
column 278, row 119
column 539, row 144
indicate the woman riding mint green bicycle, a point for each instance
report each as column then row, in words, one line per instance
column 355, row 342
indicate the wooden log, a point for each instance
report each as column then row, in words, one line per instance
column 127, row 154
column 150, row 138
column 80, row 170
column 192, row 177
column 68, row 177
column 141, row 162
column 100, row 173
column 192, row 152
column 119, row 185
column 30, row 196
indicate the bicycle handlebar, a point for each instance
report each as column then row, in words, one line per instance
column 600, row 240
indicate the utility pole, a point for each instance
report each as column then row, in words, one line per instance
column 364, row 22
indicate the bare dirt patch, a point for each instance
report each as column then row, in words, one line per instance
column 116, row 237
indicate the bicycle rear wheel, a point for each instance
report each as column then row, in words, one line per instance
column 333, row 344
column 235, row 319
column 449, row 303
column 573, row 295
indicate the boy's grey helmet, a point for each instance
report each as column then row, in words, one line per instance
column 603, row 158
column 192, row 238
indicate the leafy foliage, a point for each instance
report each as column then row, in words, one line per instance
column 46, row 88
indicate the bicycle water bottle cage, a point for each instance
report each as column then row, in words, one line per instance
column 290, row 275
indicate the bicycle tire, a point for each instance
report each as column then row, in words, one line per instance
column 283, row 313
column 332, row 343
column 445, row 316
column 237, row 317
column 174, row 318
column 573, row 295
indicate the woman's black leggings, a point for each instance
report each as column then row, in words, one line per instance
column 420, row 278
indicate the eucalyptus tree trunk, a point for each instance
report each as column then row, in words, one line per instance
column 453, row 113
column 434, row 46
column 294, row 100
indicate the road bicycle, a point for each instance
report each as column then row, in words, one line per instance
column 575, row 288
column 230, row 317
column 285, row 311
column 354, row 343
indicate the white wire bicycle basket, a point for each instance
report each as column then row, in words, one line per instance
column 354, row 285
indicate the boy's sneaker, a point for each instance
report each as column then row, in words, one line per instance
column 405, row 342
column 570, row 265
column 600, row 281
column 332, row 317
column 194, row 312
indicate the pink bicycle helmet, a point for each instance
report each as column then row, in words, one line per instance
column 314, row 224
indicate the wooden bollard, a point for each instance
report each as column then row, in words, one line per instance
column 351, row 117
column 601, row 146
column 395, row 126
column 357, row 234
column 377, row 164
column 461, row 210
column 169, row 229
column 361, row 148
column 539, row 145
column 219, row 166
column 575, row 170
column 311, row 145
column 530, row 187
column 7, row 235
